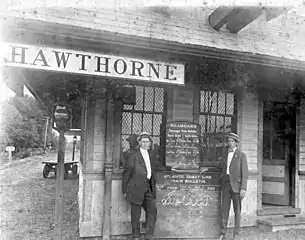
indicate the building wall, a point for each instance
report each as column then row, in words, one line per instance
column 91, row 190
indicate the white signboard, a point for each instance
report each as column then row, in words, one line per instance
column 10, row 148
column 64, row 60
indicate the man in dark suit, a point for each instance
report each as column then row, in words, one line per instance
column 139, row 186
column 234, row 177
column 133, row 146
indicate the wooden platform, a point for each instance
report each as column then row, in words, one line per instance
column 281, row 224
column 55, row 162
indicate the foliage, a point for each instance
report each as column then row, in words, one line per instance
column 22, row 123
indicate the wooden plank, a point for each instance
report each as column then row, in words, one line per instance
column 97, row 206
column 274, row 162
column 260, row 154
column 243, row 18
column 274, row 179
column 274, row 171
column 296, row 197
column 274, row 199
column 196, row 109
column 87, row 200
column 302, row 158
column 170, row 103
column 108, row 169
column 59, row 198
column 274, row 188
column 220, row 16
column 274, row 12
column 117, row 135
column 301, row 191
column 83, row 128
column 89, row 143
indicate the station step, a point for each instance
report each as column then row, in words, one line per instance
column 281, row 224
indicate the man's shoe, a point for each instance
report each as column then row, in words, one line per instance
column 236, row 237
column 222, row 237
column 148, row 237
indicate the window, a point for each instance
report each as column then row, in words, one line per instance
column 278, row 129
column 145, row 116
column 217, row 116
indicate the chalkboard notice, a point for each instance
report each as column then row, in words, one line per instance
column 188, row 205
column 182, row 145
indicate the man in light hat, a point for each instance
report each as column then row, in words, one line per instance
column 139, row 186
column 234, row 177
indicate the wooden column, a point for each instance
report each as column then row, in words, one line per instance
column 108, row 168
column 59, row 199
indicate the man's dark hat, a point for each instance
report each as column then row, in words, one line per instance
column 132, row 138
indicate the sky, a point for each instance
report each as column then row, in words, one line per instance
column 5, row 92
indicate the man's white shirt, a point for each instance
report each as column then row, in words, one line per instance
column 229, row 160
column 147, row 161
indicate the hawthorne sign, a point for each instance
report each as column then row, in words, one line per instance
column 63, row 60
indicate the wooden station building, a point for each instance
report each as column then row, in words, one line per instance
column 207, row 71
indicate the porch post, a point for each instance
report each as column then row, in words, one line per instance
column 108, row 167
column 59, row 203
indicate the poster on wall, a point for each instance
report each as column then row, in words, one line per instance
column 182, row 147
column 183, row 105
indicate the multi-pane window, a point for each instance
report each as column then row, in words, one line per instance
column 145, row 116
column 216, row 118
column 278, row 127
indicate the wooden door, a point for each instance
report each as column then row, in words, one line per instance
column 276, row 153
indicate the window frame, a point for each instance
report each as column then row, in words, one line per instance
column 118, row 166
column 203, row 135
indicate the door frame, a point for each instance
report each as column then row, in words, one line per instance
column 295, row 199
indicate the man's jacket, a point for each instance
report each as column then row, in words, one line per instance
column 238, row 170
column 135, row 175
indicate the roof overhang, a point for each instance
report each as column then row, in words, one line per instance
column 54, row 34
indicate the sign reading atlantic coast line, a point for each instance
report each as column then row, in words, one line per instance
column 188, row 204
column 182, row 145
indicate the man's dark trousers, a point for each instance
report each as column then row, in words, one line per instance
column 149, row 205
column 227, row 194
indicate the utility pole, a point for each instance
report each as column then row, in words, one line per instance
column 46, row 134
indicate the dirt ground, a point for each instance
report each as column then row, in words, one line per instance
column 256, row 234
column 27, row 204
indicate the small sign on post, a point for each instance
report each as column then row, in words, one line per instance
column 10, row 149
column 62, row 117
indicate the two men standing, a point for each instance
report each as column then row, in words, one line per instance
column 139, row 186
column 234, row 177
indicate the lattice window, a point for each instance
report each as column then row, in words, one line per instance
column 146, row 115
column 217, row 116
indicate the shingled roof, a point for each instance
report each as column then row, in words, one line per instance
column 282, row 37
